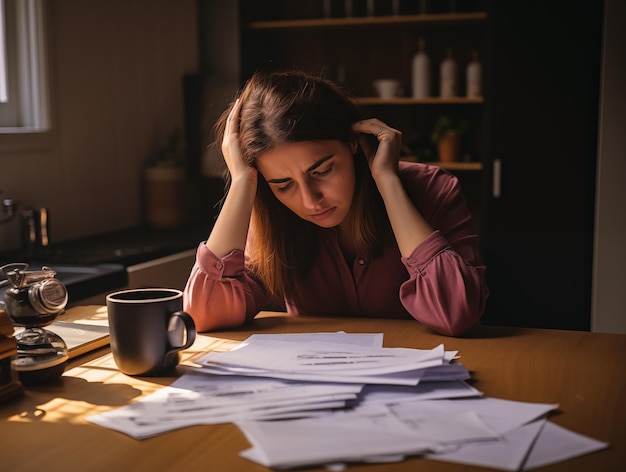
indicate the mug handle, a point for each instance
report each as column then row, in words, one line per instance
column 181, row 326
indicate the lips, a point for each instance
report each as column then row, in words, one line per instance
column 322, row 215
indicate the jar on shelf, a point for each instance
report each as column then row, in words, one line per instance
column 474, row 77
column 420, row 73
column 448, row 76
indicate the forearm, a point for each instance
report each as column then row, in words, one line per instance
column 231, row 227
column 409, row 226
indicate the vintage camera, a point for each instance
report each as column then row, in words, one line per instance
column 34, row 300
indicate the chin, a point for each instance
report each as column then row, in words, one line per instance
column 324, row 224
column 328, row 222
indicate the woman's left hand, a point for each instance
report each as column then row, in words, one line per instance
column 384, row 157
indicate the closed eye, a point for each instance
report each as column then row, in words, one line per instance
column 285, row 187
column 282, row 185
column 322, row 173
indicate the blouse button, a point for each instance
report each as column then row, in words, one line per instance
column 361, row 261
column 218, row 265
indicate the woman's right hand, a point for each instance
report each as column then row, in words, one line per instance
column 230, row 230
column 231, row 150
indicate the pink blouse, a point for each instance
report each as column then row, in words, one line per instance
column 441, row 284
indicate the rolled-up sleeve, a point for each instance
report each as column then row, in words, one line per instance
column 219, row 293
column 447, row 289
column 444, row 291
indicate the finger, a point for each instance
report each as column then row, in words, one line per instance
column 373, row 126
column 232, row 122
column 368, row 144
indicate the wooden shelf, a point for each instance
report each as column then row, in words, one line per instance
column 419, row 101
column 371, row 20
column 471, row 166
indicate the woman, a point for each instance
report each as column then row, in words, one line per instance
column 321, row 215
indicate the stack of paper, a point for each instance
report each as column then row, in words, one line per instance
column 329, row 359
column 337, row 398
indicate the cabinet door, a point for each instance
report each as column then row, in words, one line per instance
column 170, row 271
column 542, row 125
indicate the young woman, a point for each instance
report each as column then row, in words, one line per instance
column 321, row 215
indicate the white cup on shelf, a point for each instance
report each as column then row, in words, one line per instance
column 387, row 88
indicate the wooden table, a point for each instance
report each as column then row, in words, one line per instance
column 583, row 372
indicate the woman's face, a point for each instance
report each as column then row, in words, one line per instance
column 314, row 179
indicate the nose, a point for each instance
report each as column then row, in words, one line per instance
column 311, row 195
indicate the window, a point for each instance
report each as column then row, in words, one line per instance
column 4, row 97
column 23, row 98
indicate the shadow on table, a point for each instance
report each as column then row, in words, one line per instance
column 33, row 405
column 481, row 331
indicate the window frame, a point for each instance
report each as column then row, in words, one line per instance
column 27, row 73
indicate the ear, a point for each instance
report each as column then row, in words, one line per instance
column 354, row 145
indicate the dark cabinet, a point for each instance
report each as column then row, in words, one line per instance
column 542, row 121
column 355, row 48
column 536, row 124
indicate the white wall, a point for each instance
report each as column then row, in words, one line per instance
column 220, row 59
column 116, row 69
column 609, row 290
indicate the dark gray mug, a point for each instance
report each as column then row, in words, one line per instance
column 148, row 329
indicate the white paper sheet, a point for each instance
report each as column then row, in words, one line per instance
column 556, row 444
column 399, row 378
column 423, row 391
column 501, row 415
column 318, row 441
column 374, row 340
column 324, row 357
column 509, row 453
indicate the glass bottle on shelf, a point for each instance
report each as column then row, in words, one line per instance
column 448, row 76
column 474, row 77
column 421, row 72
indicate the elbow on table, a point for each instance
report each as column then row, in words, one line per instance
column 462, row 314
column 200, row 317
column 457, row 329
column 455, row 320
column 209, row 316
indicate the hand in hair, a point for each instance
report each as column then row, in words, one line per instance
column 232, row 150
column 381, row 145
column 231, row 227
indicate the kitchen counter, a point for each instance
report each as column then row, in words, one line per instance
column 126, row 247
column 98, row 264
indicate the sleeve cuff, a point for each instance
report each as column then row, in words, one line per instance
column 227, row 266
column 434, row 244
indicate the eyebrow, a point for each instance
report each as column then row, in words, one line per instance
column 313, row 167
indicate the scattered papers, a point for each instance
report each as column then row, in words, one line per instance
column 339, row 398
column 345, row 437
column 488, row 432
column 198, row 399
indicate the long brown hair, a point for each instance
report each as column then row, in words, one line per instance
column 288, row 107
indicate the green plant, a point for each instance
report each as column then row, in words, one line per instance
column 447, row 123
column 170, row 154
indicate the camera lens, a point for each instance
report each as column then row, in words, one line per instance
column 48, row 296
